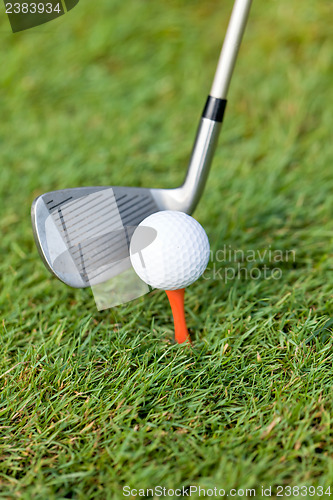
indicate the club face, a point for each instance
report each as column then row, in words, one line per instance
column 83, row 234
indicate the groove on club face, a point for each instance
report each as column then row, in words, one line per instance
column 83, row 234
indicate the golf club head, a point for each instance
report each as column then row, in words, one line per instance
column 83, row 234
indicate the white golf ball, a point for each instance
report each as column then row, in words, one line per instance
column 169, row 250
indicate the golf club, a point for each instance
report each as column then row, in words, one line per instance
column 83, row 234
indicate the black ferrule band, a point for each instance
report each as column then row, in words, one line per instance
column 214, row 109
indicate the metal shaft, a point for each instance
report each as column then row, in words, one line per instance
column 211, row 120
column 230, row 48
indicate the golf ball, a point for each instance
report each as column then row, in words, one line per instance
column 169, row 250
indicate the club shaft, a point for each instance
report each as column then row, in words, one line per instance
column 212, row 116
column 230, row 48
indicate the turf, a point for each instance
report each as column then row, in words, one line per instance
column 93, row 401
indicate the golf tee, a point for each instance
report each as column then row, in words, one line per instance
column 176, row 299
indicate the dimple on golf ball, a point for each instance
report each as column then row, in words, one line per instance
column 169, row 250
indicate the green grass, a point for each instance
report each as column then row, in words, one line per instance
column 92, row 401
